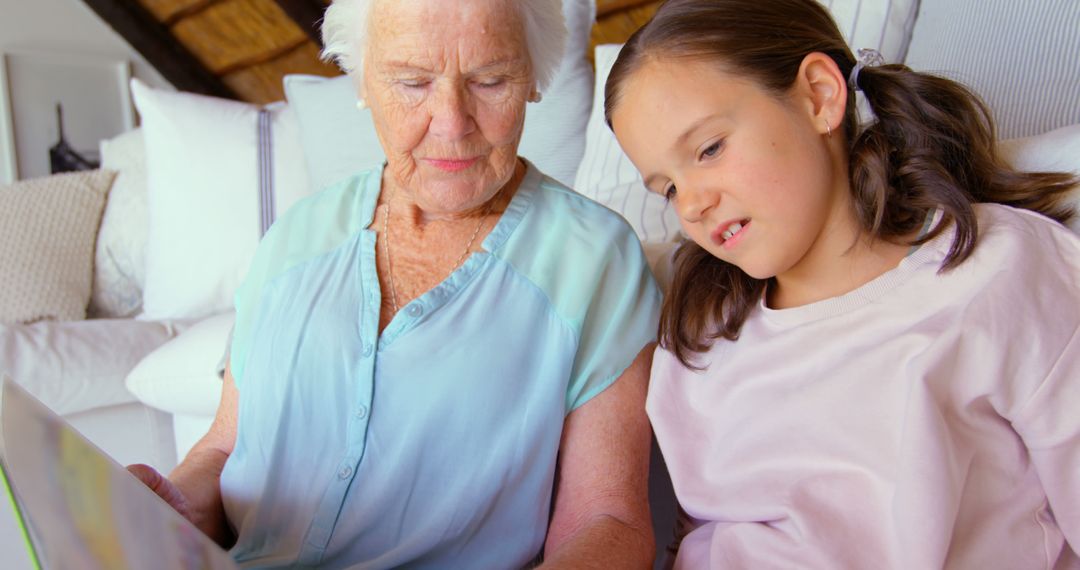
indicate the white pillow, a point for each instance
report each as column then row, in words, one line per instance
column 339, row 140
column 180, row 376
column 120, row 260
column 1055, row 151
column 1021, row 57
column 204, row 204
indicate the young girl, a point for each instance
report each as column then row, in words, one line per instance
column 870, row 354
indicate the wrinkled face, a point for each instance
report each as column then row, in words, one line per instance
column 746, row 172
column 447, row 83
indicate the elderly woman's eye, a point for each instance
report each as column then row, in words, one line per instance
column 414, row 83
column 491, row 83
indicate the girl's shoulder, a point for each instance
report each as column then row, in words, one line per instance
column 1025, row 241
column 1022, row 279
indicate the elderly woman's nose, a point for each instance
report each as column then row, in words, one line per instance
column 451, row 116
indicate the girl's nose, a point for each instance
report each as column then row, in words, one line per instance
column 692, row 203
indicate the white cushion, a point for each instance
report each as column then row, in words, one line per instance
column 120, row 259
column 80, row 365
column 47, row 229
column 1021, row 57
column 203, row 196
column 181, row 376
column 1055, row 151
column 339, row 140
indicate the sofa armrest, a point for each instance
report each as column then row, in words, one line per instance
column 76, row 366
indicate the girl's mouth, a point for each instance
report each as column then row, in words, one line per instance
column 731, row 230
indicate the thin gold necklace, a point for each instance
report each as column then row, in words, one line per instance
column 386, row 248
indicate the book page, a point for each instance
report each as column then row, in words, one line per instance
column 84, row 509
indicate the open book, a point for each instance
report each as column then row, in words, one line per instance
column 79, row 508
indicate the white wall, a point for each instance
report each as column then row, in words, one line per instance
column 63, row 26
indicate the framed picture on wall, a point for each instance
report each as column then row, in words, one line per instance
column 55, row 108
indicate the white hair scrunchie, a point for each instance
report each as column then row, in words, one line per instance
column 867, row 57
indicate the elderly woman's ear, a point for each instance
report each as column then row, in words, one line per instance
column 361, row 98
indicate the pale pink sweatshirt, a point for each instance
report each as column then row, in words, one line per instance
column 921, row 421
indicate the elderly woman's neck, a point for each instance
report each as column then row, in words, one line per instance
column 407, row 210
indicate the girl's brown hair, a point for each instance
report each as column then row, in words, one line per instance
column 932, row 146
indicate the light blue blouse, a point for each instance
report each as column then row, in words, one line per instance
column 434, row 443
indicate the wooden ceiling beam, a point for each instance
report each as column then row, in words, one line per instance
column 189, row 10
column 307, row 14
column 156, row 43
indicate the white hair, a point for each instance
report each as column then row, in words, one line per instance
column 345, row 32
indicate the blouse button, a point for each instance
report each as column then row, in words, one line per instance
column 361, row 413
column 345, row 472
column 415, row 310
column 367, row 349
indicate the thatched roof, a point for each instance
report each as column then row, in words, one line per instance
column 242, row 48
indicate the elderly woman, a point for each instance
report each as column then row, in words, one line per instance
column 441, row 362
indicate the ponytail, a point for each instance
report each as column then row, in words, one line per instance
column 933, row 145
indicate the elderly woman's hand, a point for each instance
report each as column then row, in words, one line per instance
column 192, row 489
column 162, row 487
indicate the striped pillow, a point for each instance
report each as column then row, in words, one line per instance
column 1021, row 57
column 215, row 179
column 884, row 25
column 607, row 176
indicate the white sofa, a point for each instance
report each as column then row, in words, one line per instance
column 187, row 209
column 1031, row 140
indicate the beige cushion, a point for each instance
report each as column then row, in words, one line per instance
column 47, row 230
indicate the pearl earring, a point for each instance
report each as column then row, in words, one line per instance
column 828, row 128
column 361, row 104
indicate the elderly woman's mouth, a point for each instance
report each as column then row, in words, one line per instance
column 451, row 164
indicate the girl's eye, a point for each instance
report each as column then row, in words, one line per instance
column 669, row 192
column 711, row 150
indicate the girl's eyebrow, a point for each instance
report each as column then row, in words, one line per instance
column 693, row 127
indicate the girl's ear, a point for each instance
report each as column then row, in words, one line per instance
column 824, row 89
